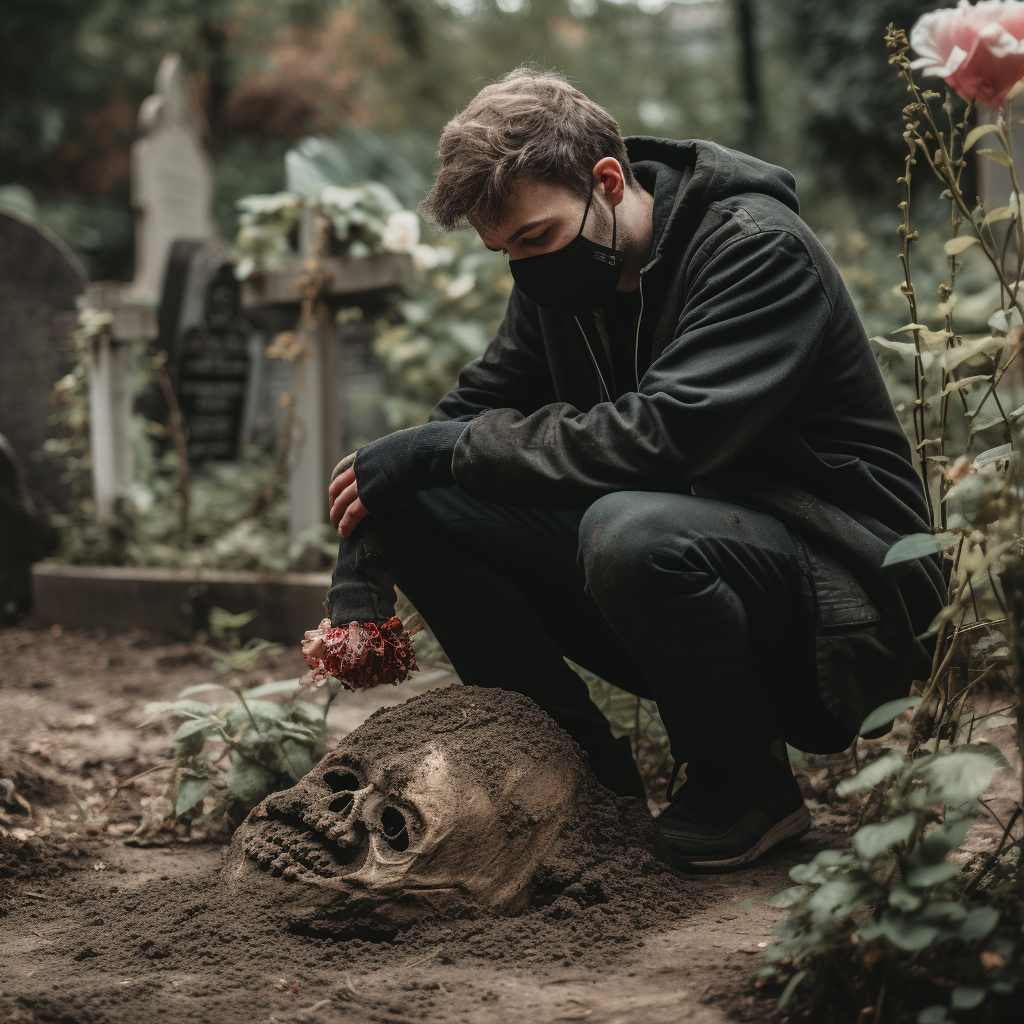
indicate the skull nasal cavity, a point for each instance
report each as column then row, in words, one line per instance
column 341, row 782
column 396, row 835
column 342, row 803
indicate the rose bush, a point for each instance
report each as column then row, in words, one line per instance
column 978, row 49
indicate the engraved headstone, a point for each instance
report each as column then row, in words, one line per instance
column 172, row 179
column 39, row 282
column 208, row 343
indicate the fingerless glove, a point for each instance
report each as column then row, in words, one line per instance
column 395, row 467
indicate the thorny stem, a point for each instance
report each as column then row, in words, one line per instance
column 909, row 237
column 947, row 170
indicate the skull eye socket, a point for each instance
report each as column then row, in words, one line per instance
column 396, row 833
column 341, row 781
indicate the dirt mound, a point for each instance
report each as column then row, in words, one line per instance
column 600, row 889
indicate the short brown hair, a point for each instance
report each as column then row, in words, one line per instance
column 527, row 123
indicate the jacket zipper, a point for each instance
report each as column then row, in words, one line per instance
column 593, row 359
column 636, row 350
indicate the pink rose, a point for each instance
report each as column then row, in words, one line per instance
column 978, row 50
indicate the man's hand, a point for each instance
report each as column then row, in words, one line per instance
column 347, row 511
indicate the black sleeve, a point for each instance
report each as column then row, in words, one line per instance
column 397, row 466
column 512, row 374
column 745, row 342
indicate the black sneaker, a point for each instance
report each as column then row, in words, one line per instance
column 728, row 814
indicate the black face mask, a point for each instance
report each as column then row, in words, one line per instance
column 573, row 279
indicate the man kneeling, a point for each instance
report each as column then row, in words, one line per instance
column 676, row 465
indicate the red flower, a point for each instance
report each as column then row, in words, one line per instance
column 978, row 50
column 360, row 655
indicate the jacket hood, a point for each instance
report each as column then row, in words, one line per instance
column 686, row 177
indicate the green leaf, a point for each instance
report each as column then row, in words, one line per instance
column 840, row 897
column 966, row 997
column 191, row 791
column 978, row 133
column 785, row 899
column 943, row 912
column 871, row 840
column 873, row 773
column 979, row 923
column 263, row 711
column 934, row 1014
column 917, row 545
column 306, row 711
column 297, row 761
column 956, row 246
column 953, row 357
column 931, row 874
column 957, row 778
column 992, row 751
column 907, row 348
column 887, row 712
column 905, row 933
column 1000, row 213
column 794, row 754
column 194, row 725
column 995, row 154
column 200, row 688
column 270, row 689
column 249, row 782
column 959, row 385
column 903, row 898
column 188, row 707
column 221, row 621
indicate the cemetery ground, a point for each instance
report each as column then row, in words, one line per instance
column 106, row 915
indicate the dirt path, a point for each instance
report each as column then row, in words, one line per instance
column 121, row 933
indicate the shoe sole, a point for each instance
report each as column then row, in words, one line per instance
column 787, row 831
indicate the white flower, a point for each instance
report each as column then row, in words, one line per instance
column 462, row 285
column 402, row 231
column 426, row 257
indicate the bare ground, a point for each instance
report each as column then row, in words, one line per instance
column 94, row 929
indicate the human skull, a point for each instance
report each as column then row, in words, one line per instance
column 446, row 803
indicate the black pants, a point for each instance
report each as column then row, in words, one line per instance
column 692, row 602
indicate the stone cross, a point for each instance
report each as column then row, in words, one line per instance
column 317, row 433
column 172, row 179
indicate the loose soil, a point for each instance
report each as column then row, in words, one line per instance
column 104, row 919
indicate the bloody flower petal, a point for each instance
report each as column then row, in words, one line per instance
column 360, row 655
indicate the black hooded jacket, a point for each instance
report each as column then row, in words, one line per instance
column 754, row 383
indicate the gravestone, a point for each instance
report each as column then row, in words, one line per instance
column 110, row 398
column 39, row 282
column 172, row 179
column 207, row 341
column 26, row 535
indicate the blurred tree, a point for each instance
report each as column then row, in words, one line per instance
column 832, row 78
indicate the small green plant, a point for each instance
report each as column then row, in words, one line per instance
column 892, row 922
column 238, row 752
column 231, row 654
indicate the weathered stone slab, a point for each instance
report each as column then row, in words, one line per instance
column 39, row 282
column 175, row 601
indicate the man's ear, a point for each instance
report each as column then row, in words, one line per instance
column 609, row 180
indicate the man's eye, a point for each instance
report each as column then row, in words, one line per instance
column 536, row 239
